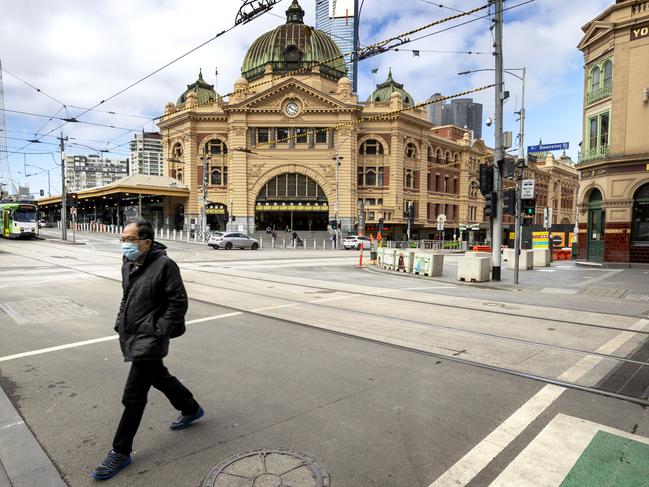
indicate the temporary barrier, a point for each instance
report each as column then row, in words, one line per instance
column 388, row 260
column 541, row 257
column 428, row 264
column 404, row 260
column 508, row 254
column 525, row 261
column 474, row 269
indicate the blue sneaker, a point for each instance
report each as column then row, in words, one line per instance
column 184, row 421
column 111, row 465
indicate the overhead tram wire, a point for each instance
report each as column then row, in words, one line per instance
column 262, row 7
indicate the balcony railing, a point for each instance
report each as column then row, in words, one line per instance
column 592, row 154
column 599, row 94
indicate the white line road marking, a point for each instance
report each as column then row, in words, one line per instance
column 484, row 452
column 99, row 340
column 427, row 287
column 7, row 426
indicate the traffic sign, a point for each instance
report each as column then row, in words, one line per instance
column 441, row 218
column 527, row 190
column 440, row 226
column 548, row 147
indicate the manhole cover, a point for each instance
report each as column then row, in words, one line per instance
column 40, row 310
column 268, row 468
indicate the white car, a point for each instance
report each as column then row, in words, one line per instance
column 355, row 242
column 232, row 240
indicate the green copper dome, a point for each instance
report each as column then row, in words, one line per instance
column 292, row 46
column 203, row 90
column 389, row 86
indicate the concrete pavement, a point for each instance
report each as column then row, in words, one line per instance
column 306, row 353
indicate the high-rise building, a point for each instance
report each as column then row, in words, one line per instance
column 613, row 200
column 83, row 172
column 146, row 154
column 435, row 110
column 336, row 18
column 464, row 113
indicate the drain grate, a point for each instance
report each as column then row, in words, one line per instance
column 268, row 468
column 631, row 296
column 41, row 310
column 628, row 378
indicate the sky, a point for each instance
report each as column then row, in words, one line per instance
column 81, row 52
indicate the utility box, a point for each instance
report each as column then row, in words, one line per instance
column 427, row 264
column 387, row 262
column 404, row 260
column 525, row 261
column 473, row 269
column 541, row 257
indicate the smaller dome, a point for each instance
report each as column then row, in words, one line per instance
column 345, row 81
column 204, row 91
column 384, row 91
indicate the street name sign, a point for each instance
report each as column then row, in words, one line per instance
column 548, row 147
column 527, row 189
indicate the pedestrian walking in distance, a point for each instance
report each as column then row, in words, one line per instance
column 152, row 311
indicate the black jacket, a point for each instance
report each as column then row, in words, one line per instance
column 153, row 306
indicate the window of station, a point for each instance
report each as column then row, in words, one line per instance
column 321, row 136
column 371, row 147
column 219, row 176
column 370, row 176
column 263, row 135
column 282, row 136
column 301, row 135
column 216, row 147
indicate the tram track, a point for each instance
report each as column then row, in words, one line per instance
column 452, row 358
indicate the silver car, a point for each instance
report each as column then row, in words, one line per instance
column 232, row 240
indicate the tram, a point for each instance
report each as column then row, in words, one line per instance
column 18, row 220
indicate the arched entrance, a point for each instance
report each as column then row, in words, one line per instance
column 294, row 201
column 596, row 224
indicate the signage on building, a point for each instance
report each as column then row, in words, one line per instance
column 548, row 147
column 291, row 206
column 527, row 189
column 639, row 32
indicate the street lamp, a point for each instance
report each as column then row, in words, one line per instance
column 521, row 162
column 205, row 159
column 337, row 205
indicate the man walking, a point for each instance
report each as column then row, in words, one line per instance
column 152, row 311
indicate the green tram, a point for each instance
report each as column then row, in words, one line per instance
column 18, row 220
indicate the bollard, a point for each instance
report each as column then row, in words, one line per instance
column 189, row 233
column 167, row 234
column 294, row 244
column 324, row 244
column 304, row 244
column 272, row 243
column 181, row 236
column 195, row 237
column 174, row 234
column 284, row 242
column 315, row 243
column 261, row 242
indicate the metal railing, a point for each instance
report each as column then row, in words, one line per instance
column 592, row 154
column 599, row 94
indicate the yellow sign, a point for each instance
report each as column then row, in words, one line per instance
column 215, row 211
column 292, row 207
column 540, row 240
column 639, row 32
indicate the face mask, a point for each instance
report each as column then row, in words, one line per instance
column 131, row 250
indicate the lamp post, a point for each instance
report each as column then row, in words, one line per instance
column 337, row 205
column 520, row 163
column 205, row 159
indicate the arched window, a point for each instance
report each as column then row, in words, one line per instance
column 411, row 150
column 608, row 74
column 371, row 147
column 640, row 223
column 177, row 151
column 594, row 79
column 216, row 147
column 370, row 177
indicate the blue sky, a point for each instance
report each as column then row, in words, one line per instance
column 82, row 52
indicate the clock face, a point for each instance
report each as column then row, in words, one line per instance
column 292, row 108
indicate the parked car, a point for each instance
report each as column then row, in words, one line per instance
column 355, row 242
column 44, row 224
column 232, row 240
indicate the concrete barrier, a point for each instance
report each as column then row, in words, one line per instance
column 379, row 257
column 404, row 260
column 477, row 254
column 428, row 264
column 388, row 261
column 508, row 254
column 473, row 269
column 541, row 257
column 525, row 261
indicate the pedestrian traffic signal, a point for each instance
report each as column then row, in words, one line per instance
column 490, row 209
column 333, row 224
column 42, row 192
column 379, row 227
column 528, row 207
column 72, row 200
column 486, row 179
column 509, row 201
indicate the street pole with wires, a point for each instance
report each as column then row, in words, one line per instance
column 337, row 207
column 64, row 207
column 497, row 236
column 356, row 46
column 519, row 182
column 205, row 160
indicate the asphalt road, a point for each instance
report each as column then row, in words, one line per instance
column 299, row 349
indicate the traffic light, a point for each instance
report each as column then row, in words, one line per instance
column 72, row 200
column 486, row 179
column 528, row 208
column 379, row 227
column 411, row 210
column 490, row 208
column 509, row 201
column 42, row 192
column 333, row 224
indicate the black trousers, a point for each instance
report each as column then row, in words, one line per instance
column 143, row 375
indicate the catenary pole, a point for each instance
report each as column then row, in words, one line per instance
column 497, row 236
column 519, row 182
column 64, row 207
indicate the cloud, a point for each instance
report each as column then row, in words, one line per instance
column 83, row 52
